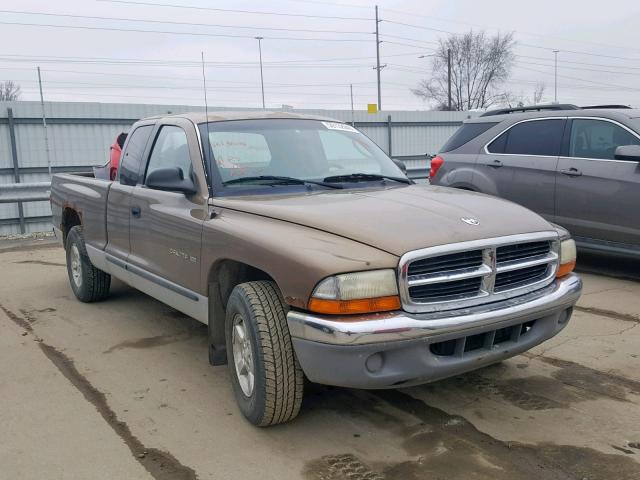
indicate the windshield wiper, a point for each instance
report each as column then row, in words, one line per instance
column 357, row 177
column 278, row 180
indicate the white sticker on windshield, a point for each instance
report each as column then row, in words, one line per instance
column 339, row 126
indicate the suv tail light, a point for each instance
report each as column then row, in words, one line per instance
column 436, row 163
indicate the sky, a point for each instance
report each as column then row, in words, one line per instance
column 149, row 51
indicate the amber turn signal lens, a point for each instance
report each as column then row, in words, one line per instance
column 565, row 269
column 350, row 307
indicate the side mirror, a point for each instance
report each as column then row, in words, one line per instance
column 170, row 179
column 400, row 164
column 628, row 152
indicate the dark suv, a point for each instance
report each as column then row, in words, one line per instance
column 576, row 166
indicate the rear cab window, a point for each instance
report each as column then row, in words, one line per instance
column 466, row 133
column 531, row 137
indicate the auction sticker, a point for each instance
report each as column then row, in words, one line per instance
column 339, row 126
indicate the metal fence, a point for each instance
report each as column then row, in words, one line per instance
column 80, row 135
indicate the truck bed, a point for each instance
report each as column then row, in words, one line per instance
column 86, row 195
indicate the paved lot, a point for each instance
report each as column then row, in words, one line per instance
column 123, row 390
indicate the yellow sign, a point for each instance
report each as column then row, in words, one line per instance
column 372, row 108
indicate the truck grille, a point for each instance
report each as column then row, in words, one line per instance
column 470, row 273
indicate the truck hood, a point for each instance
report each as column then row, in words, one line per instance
column 396, row 219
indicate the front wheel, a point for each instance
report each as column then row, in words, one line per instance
column 267, row 379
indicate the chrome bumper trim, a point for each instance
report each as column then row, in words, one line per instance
column 400, row 325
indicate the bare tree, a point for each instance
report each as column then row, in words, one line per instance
column 479, row 65
column 538, row 93
column 512, row 100
column 9, row 91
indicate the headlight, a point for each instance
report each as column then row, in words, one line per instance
column 568, row 256
column 358, row 292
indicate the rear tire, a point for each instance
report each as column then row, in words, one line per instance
column 265, row 373
column 87, row 282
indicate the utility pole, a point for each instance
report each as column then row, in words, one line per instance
column 449, row 74
column 378, row 59
column 353, row 119
column 261, row 75
column 555, row 83
column 44, row 124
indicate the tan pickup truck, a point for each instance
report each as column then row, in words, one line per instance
column 308, row 252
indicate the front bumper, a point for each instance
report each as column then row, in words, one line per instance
column 398, row 348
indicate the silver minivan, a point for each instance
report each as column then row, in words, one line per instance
column 576, row 166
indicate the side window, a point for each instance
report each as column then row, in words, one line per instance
column 130, row 167
column 538, row 137
column 466, row 133
column 170, row 149
column 598, row 139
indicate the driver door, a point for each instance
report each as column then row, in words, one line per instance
column 166, row 227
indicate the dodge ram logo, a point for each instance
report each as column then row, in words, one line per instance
column 470, row 221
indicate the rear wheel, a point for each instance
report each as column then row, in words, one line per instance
column 87, row 282
column 266, row 377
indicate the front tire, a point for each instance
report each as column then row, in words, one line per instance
column 267, row 379
column 87, row 282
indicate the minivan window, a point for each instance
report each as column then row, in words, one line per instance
column 539, row 137
column 137, row 142
column 598, row 139
column 466, row 133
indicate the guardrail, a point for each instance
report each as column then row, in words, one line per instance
column 25, row 192
column 416, row 173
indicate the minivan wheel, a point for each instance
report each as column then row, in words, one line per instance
column 87, row 282
column 266, row 377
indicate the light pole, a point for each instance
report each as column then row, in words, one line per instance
column 448, row 74
column 555, row 83
column 261, row 75
column 378, row 67
column 353, row 118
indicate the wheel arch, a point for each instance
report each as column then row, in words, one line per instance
column 222, row 278
column 70, row 218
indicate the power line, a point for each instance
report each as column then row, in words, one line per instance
column 582, row 63
column 256, row 12
column 584, row 80
column 237, row 89
column 112, row 60
column 169, row 32
column 577, row 68
column 421, row 27
column 523, row 32
column 190, row 24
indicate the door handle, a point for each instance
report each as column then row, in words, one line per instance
column 496, row 164
column 135, row 211
column 572, row 172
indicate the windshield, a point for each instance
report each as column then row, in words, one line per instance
column 311, row 150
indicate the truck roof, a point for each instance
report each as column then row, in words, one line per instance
column 221, row 116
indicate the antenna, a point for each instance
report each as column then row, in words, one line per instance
column 204, row 83
column 206, row 114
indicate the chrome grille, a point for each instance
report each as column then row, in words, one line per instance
column 480, row 271
column 523, row 276
column 521, row 250
column 453, row 261
column 445, row 290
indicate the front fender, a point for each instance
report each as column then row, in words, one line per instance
column 295, row 256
